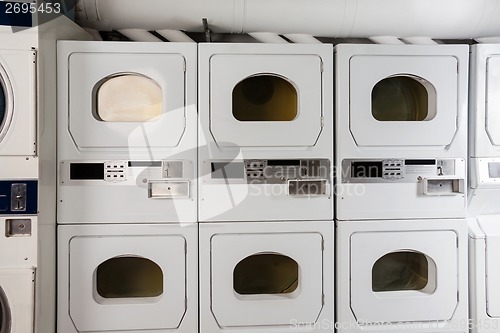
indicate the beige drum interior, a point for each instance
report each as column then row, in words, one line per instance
column 126, row 100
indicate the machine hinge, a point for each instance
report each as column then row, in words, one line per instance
column 322, row 122
column 184, row 65
column 323, row 245
column 321, row 66
column 323, row 299
column 458, row 296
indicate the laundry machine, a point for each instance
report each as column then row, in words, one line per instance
column 484, row 213
column 127, row 278
column 484, row 144
column 266, row 132
column 266, row 277
column 402, row 276
column 18, row 262
column 18, row 112
column 401, row 131
column 127, row 132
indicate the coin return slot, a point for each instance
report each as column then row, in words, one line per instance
column 129, row 277
column 404, row 270
column 443, row 186
column 17, row 227
column 307, row 187
column 266, row 273
column 168, row 189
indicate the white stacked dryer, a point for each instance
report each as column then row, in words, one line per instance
column 401, row 151
column 265, row 188
column 127, row 192
column 484, row 212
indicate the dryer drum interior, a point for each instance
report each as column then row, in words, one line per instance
column 403, row 98
column 402, row 270
column 266, row 273
column 5, row 317
column 129, row 277
column 127, row 97
column 265, row 97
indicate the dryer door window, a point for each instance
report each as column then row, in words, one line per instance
column 3, row 106
column 403, row 100
column 5, row 316
column 266, row 273
column 266, row 100
column 125, row 101
column 493, row 99
column 404, row 270
column 394, row 276
column 128, row 97
column 129, row 277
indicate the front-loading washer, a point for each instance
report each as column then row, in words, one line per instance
column 401, row 131
column 401, row 276
column 17, row 300
column 127, row 278
column 266, row 132
column 266, row 277
column 127, row 132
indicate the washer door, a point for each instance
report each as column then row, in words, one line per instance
column 126, row 101
column 5, row 313
column 127, row 283
column 491, row 228
column 403, row 276
column 266, row 100
column 267, row 276
column 403, row 100
column 17, row 103
column 493, row 99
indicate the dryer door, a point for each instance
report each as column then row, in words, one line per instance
column 403, row 100
column 403, row 276
column 491, row 227
column 126, row 101
column 493, row 99
column 267, row 276
column 127, row 282
column 266, row 100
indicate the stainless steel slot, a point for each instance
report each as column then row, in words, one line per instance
column 307, row 187
column 168, row 189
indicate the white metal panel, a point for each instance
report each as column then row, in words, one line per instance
column 492, row 102
column 366, row 71
column 302, row 70
column 18, row 74
column 86, row 70
column 227, row 250
column 164, row 312
column 490, row 225
column 403, row 306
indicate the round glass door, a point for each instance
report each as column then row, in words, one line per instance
column 5, row 318
column 3, row 106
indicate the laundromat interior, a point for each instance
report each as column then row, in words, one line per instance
column 249, row 166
